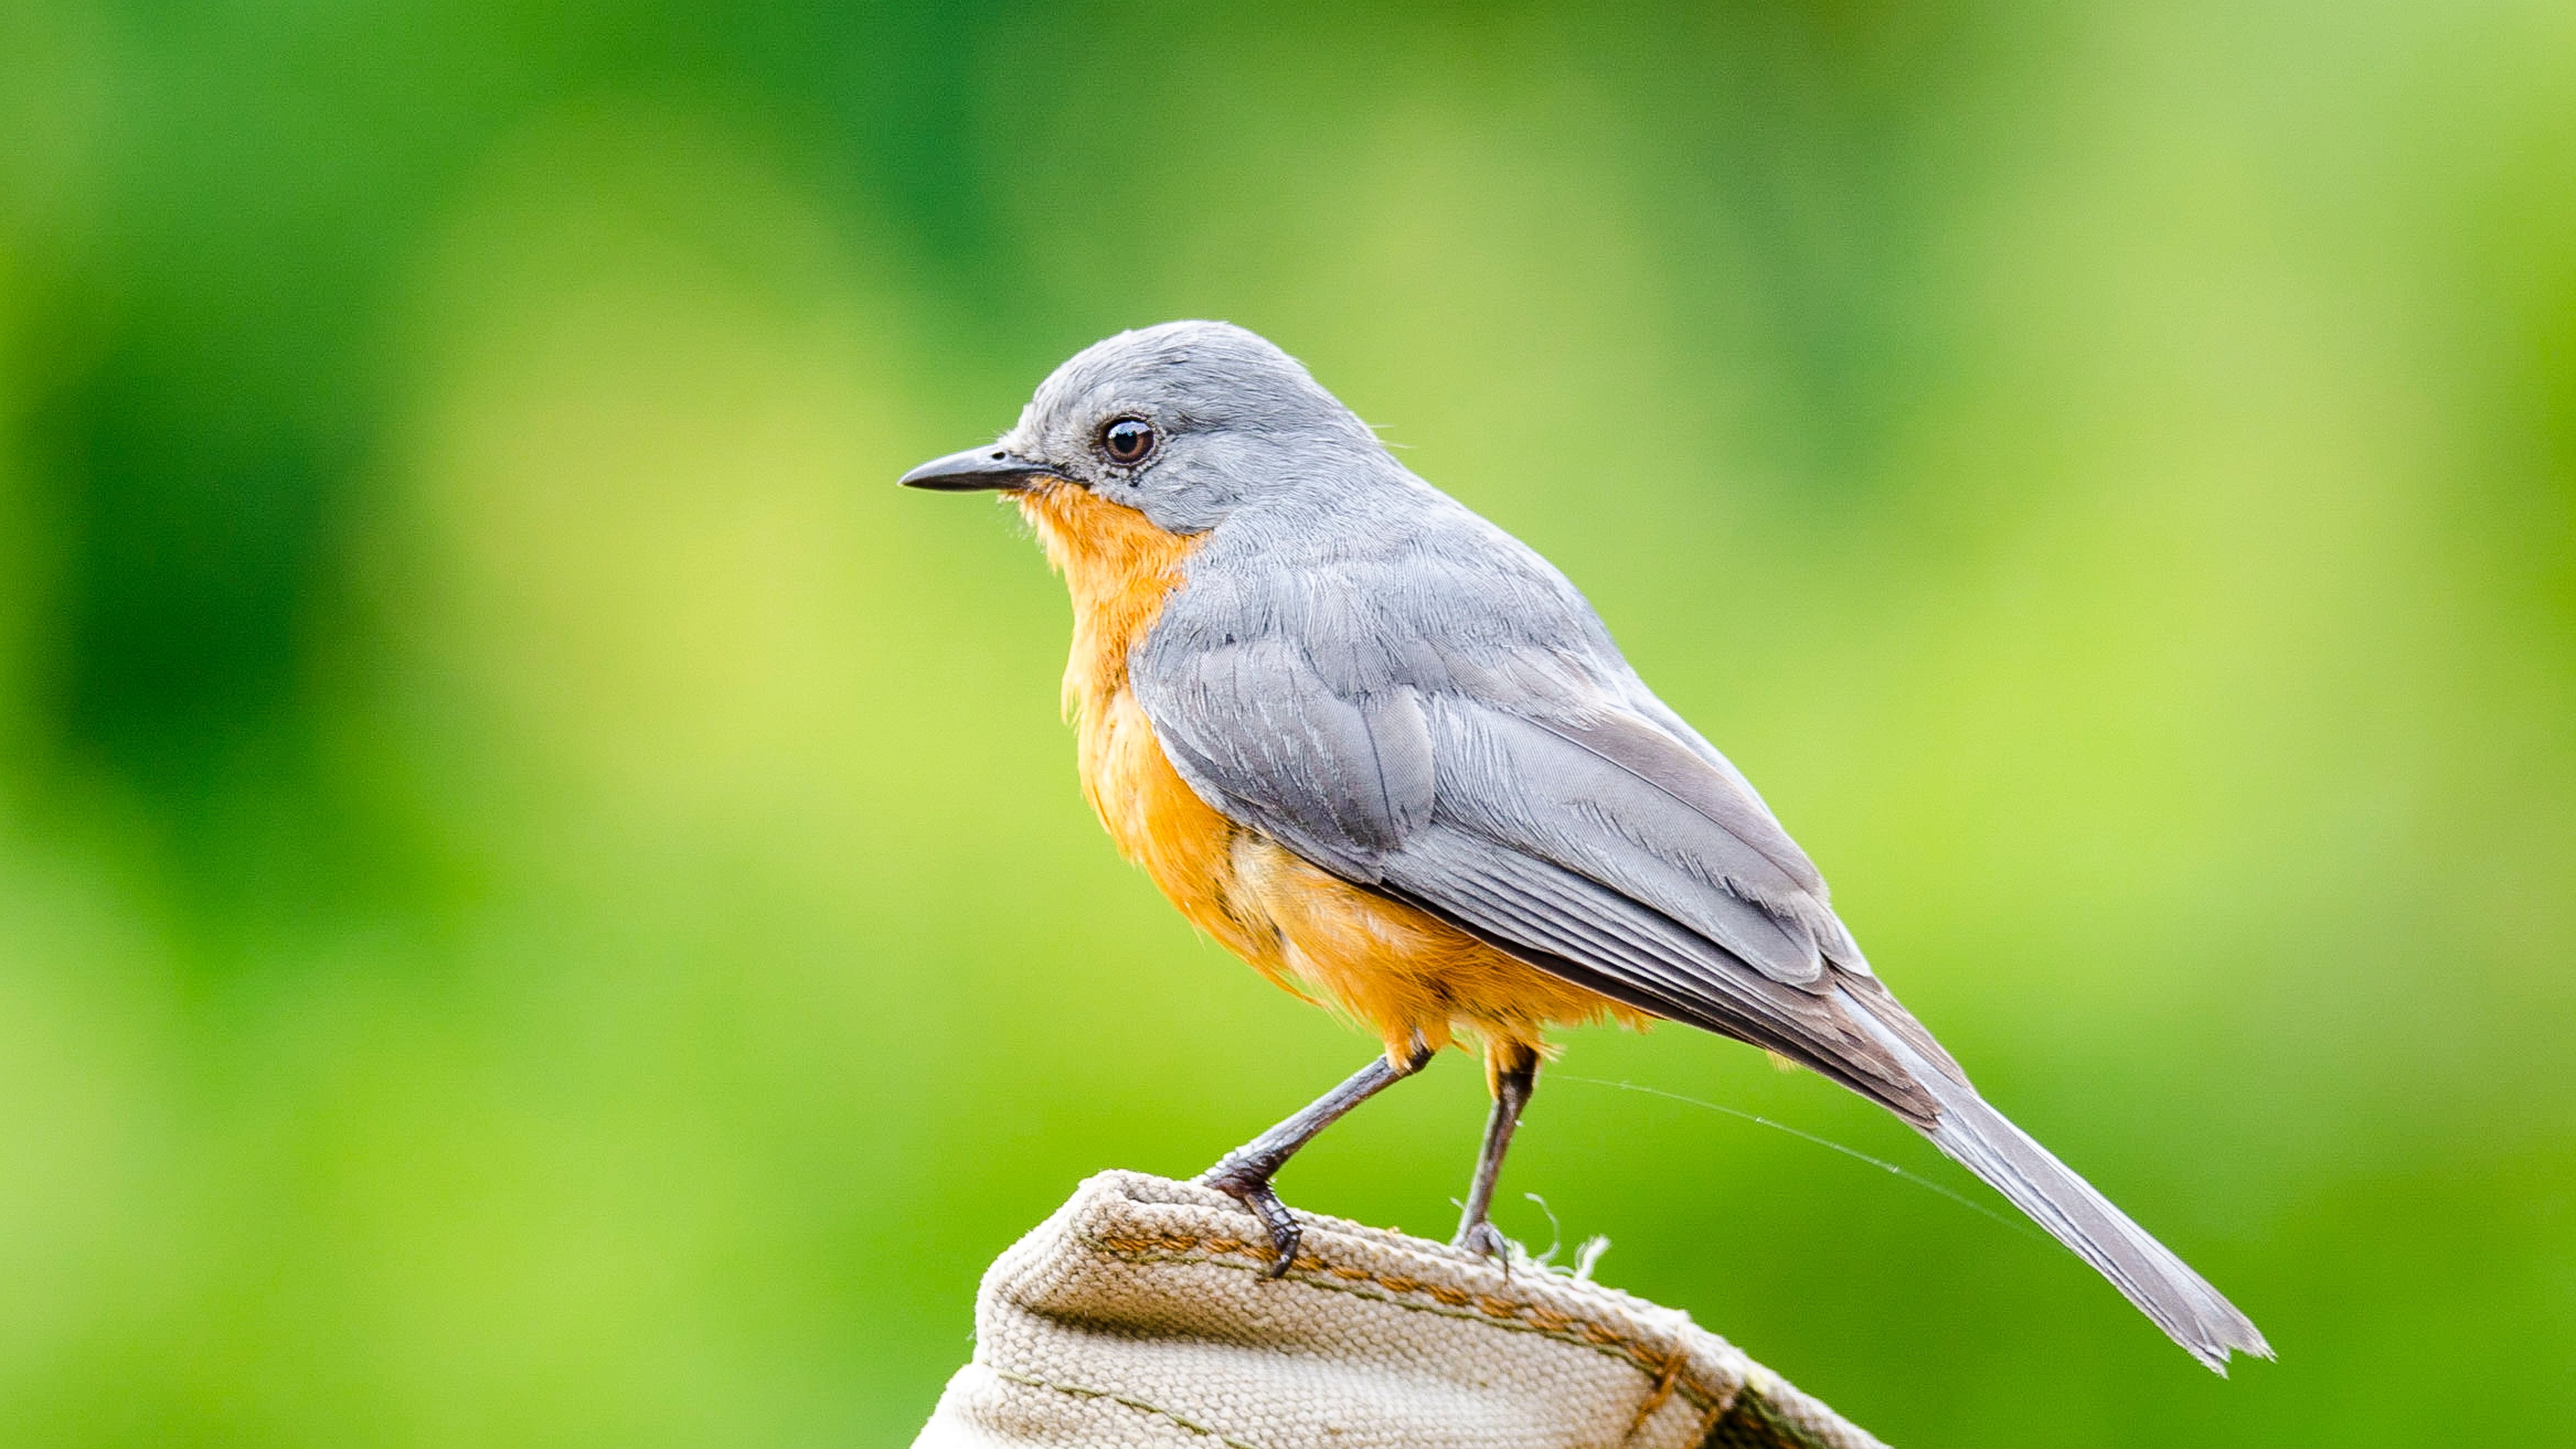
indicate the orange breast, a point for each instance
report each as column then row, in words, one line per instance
column 1398, row 971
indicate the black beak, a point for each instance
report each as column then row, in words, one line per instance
column 974, row 470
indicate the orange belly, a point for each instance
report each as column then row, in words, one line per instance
column 1402, row 973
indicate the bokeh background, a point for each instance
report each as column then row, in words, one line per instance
column 543, row 902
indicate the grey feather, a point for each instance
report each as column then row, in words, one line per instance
column 1598, row 938
column 1544, row 788
column 1982, row 1140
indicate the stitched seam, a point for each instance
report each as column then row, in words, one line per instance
column 1605, row 1342
column 1665, row 1383
column 1157, row 1410
column 1447, row 1302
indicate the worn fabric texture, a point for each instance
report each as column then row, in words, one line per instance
column 1139, row 1315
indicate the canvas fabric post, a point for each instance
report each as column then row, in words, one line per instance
column 1140, row 1315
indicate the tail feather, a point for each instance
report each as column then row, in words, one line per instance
column 2163, row 1287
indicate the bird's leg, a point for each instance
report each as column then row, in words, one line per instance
column 1245, row 1172
column 1515, row 1077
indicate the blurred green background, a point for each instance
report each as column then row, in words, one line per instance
column 542, row 902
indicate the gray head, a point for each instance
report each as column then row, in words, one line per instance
column 1185, row 422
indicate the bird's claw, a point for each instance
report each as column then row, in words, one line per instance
column 1253, row 1190
column 1484, row 1240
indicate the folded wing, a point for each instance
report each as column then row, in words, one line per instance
column 1595, row 846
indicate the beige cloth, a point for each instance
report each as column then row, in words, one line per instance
column 1139, row 1315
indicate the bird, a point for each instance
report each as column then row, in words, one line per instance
column 1389, row 756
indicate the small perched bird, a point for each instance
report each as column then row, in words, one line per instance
column 1388, row 755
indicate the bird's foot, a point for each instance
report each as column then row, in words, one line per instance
column 1250, row 1185
column 1484, row 1240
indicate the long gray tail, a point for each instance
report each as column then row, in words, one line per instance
column 2164, row 1287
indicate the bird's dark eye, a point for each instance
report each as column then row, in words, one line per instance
column 1127, row 440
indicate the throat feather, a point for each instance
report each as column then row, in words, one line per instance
column 1119, row 569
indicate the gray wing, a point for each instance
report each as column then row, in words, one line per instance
column 1593, row 843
